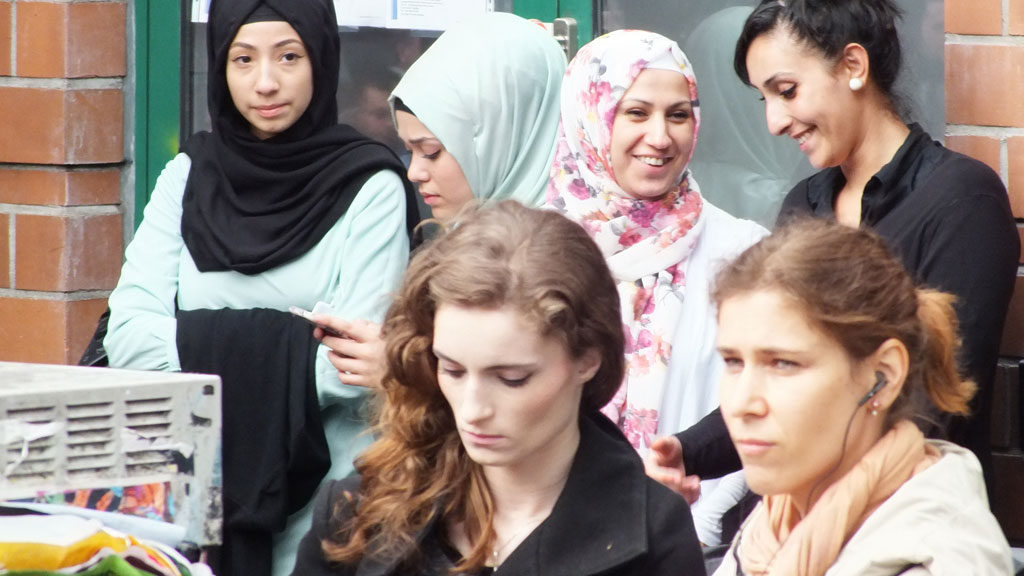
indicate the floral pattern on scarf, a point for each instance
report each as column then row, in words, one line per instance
column 646, row 242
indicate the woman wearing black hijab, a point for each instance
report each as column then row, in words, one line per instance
column 278, row 206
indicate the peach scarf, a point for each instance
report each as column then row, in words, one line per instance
column 776, row 540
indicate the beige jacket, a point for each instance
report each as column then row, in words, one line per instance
column 938, row 523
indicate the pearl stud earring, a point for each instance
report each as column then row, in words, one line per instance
column 856, row 84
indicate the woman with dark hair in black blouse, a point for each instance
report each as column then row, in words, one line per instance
column 826, row 72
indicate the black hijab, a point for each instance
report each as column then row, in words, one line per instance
column 249, row 204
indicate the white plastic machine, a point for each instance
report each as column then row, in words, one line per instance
column 69, row 428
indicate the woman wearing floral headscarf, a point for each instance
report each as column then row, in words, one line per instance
column 630, row 120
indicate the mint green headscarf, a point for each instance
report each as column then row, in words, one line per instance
column 489, row 90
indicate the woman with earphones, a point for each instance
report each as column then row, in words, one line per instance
column 830, row 352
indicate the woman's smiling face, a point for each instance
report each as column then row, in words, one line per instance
column 652, row 134
column 805, row 98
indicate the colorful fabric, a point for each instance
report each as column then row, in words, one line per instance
column 73, row 545
column 109, row 566
column 645, row 242
column 54, row 542
column 778, row 540
column 488, row 89
column 153, row 501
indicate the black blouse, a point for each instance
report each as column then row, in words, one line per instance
column 948, row 218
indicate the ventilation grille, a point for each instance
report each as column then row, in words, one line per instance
column 91, row 447
column 152, row 420
column 91, row 450
column 40, row 460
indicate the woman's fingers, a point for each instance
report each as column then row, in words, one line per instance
column 363, row 331
column 667, row 451
column 664, row 463
column 352, row 371
column 359, row 354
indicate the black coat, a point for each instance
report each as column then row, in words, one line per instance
column 610, row 519
column 274, row 448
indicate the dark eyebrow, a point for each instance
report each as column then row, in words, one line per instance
column 761, row 351
column 280, row 44
column 423, row 139
column 679, row 104
column 773, row 80
column 527, row 366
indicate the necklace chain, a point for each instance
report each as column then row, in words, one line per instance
column 498, row 550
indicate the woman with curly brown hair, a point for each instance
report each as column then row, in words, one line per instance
column 502, row 346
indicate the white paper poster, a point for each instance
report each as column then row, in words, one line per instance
column 200, row 10
column 362, row 13
column 406, row 14
column 433, row 14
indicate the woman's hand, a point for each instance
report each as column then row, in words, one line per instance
column 356, row 349
column 664, row 463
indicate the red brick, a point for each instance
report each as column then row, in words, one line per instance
column 980, row 148
column 1016, row 17
column 65, row 253
column 5, row 38
column 974, row 17
column 1013, row 332
column 68, row 328
column 92, row 187
column 96, row 39
column 81, row 324
column 71, row 40
column 34, row 117
column 1015, row 184
column 33, row 330
column 5, row 251
column 42, row 39
column 1020, row 233
column 52, row 126
column 95, row 126
column 984, row 85
column 60, row 187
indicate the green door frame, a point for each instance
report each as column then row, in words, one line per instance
column 158, row 26
column 548, row 10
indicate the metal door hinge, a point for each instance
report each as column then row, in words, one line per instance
column 566, row 32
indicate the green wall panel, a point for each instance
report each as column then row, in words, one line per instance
column 544, row 10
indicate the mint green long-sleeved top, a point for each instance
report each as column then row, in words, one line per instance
column 356, row 267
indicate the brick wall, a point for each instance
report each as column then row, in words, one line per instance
column 985, row 107
column 62, row 150
column 985, row 119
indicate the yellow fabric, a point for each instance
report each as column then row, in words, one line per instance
column 778, row 541
column 32, row 556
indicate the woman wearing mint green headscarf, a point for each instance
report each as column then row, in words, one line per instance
column 479, row 111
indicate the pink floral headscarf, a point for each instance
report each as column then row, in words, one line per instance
column 645, row 242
